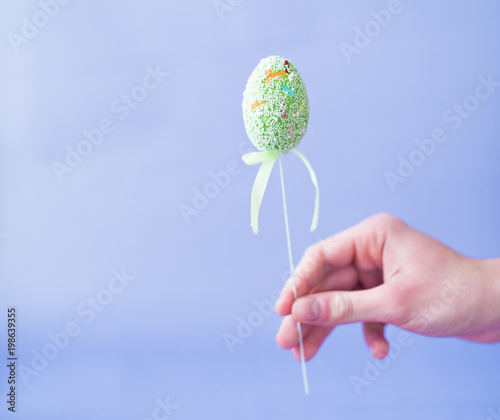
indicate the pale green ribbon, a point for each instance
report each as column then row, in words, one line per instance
column 267, row 159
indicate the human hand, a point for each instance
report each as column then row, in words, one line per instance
column 383, row 271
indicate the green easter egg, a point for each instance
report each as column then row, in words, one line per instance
column 275, row 105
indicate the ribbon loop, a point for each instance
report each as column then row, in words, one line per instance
column 315, row 183
column 267, row 159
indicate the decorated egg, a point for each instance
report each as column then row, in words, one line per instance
column 275, row 106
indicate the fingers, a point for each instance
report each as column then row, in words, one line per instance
column 318, row 260
column 341, row 307
column 361, row 246
column 328, row 279
column 338, row 308
column 312, row 342
column 312, row 337
column 288, row 336
column 344, row 278
column 283, row 305
column 375, row 340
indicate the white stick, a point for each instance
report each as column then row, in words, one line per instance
column 299, row 330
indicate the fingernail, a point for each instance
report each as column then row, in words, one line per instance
column 307, row 309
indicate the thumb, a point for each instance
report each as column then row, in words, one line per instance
column 340, row 307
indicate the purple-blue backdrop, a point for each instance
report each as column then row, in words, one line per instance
column 126, row 280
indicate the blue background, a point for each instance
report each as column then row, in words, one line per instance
column 162, row 336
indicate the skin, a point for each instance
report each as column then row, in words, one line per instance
column 380, row 272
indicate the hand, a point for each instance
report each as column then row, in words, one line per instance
column 383, row 271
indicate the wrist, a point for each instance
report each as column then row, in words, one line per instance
column 491, row 293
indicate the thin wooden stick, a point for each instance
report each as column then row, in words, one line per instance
column 299, row 329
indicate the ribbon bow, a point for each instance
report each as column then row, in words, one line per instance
column 267, row 159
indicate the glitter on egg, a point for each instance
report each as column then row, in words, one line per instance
column 277, row 83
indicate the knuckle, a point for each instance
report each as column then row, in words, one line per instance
column 341, row 307
column 387, row 223
column 313, row 257
column 312, row 253
column 329, row 247
column 388, row 220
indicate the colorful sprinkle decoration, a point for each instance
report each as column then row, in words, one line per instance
column 275, row 130
column 271, row 84
column 257, row 104
column 287, row 66
column 270, row 75
column 287, row 89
